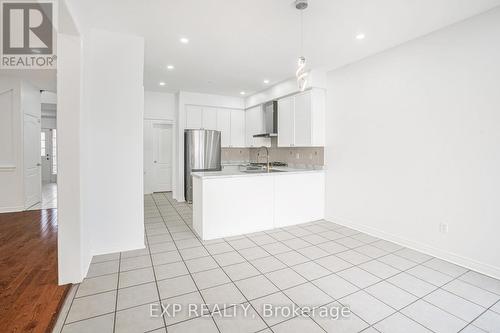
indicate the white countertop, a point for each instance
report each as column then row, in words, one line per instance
column 233, row 173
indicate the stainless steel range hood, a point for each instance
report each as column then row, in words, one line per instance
column 270, row 120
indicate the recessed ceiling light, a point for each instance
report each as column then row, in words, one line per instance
column 242, row 93
column 360, row 36
column 184, row 40
column 266, row 81
column 162, row 83
column 170, row 67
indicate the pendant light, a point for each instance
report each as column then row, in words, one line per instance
column 301, row 73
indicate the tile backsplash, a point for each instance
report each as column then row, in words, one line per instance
column 235, row 155
column 294, row 156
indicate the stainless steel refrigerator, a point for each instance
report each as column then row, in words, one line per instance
column 202, row 152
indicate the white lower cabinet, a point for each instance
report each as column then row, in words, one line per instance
column 292, row 206
column 225, row 206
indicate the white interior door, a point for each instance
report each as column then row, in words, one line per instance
column 162, row 158
column 32, row 161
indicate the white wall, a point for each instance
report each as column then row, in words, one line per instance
column 112, row 141
column 184, row 98
column 159, row 105
column 413, row 140
column 11, row 145
column 74, row 252
column 24, row 99
column 30, row 99
column 316, row 78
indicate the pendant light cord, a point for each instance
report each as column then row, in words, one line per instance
column 301, row 33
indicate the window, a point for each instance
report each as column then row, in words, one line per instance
column 42, row 140
column 54, row 152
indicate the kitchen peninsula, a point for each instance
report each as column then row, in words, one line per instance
column 230, row 203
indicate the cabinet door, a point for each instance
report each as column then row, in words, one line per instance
column 302, row 120
column 286, row 122
column 224, row 125
column 318, row 105
column 237, row 128
column 254, row 124
column 209, row 118
column 193, row 117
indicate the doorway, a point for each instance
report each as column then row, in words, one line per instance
column 46, row 153
column 32, row 172
column 158, row 156
column 48, row 144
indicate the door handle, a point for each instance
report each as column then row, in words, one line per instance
column 38, row 164
column 155, row 162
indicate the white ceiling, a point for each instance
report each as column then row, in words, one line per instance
column 236, row 44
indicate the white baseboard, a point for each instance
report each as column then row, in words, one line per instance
column 86, row 265
column 136, row 246
column 11, row 209
column 469, row 263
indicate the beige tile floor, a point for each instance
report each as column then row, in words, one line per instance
column 388, row 288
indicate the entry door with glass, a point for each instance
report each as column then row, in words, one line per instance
column 49, row 155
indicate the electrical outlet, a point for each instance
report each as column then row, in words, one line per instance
column 443, row 228
column 310, row 156
column 297, row 156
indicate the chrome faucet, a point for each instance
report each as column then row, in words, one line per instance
column 268, row 167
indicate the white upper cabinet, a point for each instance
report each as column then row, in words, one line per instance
column 224, row 125
column 209, row 118
column 254, row 124
column 301, row 119
column 286, row 126
column 230, row 122
column 194, row 117
column 237, row 128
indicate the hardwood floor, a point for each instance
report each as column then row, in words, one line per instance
column 29, row 295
